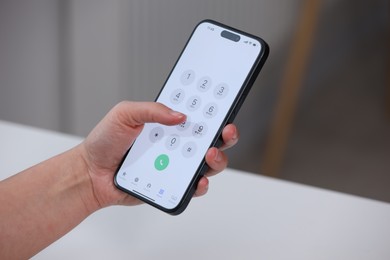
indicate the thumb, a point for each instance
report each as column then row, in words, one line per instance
column 119, row 128
column 138, row 113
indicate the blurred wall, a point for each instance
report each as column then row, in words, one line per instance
column 29, row 63
column 64, row 64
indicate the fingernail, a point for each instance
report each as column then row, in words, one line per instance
column 218, row 156
column 235, row 136
column 176, row 114
column 207, row 188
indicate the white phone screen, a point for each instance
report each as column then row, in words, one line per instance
column 204, row 84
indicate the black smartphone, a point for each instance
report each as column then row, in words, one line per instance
column 208, row 83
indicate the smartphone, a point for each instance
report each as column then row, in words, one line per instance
column 208, row 83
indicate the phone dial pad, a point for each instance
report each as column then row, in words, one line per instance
column 189, row 96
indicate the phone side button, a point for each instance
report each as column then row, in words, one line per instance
column 236, row 109
column 219, row 142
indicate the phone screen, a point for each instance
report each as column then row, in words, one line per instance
column 206, row 83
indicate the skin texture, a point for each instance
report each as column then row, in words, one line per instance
column 44, row 202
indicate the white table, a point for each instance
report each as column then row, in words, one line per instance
column 244, row 216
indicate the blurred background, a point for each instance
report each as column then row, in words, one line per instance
column 318, row 114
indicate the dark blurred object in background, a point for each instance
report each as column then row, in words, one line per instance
column 339, row 136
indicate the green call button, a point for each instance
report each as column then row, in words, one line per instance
column 161, row 162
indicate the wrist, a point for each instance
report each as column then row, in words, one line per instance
column 84, row 183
